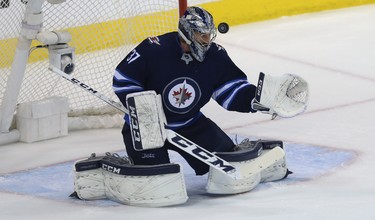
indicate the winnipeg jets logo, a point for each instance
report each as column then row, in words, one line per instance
column 181, row 95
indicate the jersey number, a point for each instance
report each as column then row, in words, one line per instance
column 133, row 56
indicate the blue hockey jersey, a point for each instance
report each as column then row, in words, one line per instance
column 186, row 85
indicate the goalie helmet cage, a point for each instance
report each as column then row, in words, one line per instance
column 103, row 32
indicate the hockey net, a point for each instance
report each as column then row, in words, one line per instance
column 103, row 32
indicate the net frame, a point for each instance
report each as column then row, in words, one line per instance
column 103, row 32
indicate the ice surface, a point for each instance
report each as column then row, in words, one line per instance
column 329, row 148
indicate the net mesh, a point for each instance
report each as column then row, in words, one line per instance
column 103, row 32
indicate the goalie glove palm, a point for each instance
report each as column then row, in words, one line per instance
column 284, row 96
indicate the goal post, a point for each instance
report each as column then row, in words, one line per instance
column 102, row 33
column 182, row 7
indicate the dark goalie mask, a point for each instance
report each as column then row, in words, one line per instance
column 196, row 27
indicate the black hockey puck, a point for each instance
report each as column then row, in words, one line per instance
column 223, row 27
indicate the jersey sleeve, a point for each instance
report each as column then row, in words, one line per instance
column 233, row 91
column 131, row 73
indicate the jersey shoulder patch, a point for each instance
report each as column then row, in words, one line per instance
column 218, row 47
column 154, row 40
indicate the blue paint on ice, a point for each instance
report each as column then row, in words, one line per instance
column 56, row 181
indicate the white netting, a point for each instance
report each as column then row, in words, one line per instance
column 103, row 32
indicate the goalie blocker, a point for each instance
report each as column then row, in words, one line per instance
column 147, row 120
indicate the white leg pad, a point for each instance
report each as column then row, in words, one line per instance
column 89, row 184
column 276, row 171
column 219, row 183
column 149, row 191
column 115, row 178
column 250, row 166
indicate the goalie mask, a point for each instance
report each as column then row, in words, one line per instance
column 196, row 27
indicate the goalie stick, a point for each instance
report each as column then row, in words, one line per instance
column 179, row 141
column 174, row 138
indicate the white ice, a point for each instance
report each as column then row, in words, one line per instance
column 334, row 51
